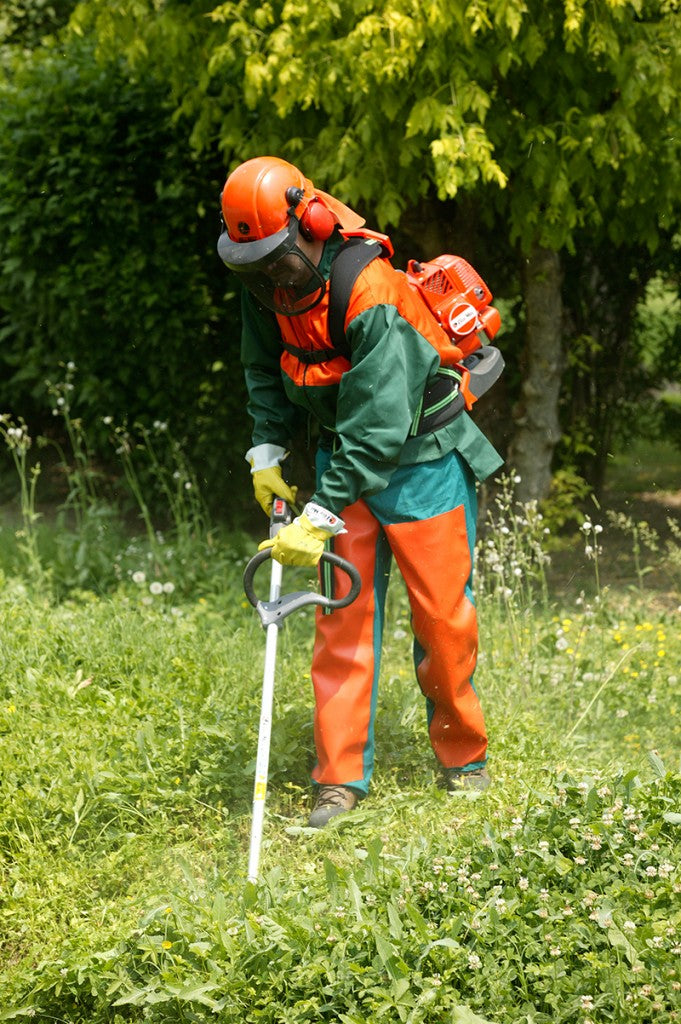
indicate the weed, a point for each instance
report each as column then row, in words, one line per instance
column 90, row 546
column 18, row 441
column 643, row 538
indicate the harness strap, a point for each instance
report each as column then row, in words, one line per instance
column 355, row 254
column 442, row 402
column 311, row 357
column 347, row 265
column 442, row 399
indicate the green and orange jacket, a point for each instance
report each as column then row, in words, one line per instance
column 368, row 404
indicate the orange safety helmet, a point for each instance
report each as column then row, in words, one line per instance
column 266, row 204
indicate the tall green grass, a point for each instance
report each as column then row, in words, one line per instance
column 128, row 731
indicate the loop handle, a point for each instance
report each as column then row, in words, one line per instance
column 274, row 612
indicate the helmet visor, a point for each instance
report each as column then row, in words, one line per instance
column 275, row 270
column 256, row 254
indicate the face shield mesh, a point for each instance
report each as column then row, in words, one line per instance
column 290, row 286
column 275, row 270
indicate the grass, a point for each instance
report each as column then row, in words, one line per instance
column 129, row 730
column 645, row 466
column 128, row 722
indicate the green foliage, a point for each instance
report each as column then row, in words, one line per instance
column 658, row 323
column 580, row 122
column 383, row 119
column 554, row 122
column 25, row 23
column 622, row 351
column 571, row 103
column 576, row 883
column 107, row 258
column 88, row 546
column 568, row 493
column 535, row 123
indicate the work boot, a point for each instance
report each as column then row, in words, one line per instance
column 458, row 780
column 331, row 800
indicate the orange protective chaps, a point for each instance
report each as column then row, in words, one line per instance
column 434, row 555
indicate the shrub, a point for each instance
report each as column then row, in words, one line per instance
column 107, row 254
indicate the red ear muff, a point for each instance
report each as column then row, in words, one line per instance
column 317, row 223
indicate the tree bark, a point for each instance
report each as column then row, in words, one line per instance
column 535, row 416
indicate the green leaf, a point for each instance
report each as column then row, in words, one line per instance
column 134, row 997
column 332, row 876
column 657, row 764
column 396, row 929
column 20, row 1011
column 618, row 939
column 418, row 921
column 563, row 865
column 464, row 1015
column 199, row 992
column 389, row 957
column 446, row 942
column 356, row 897
column 78, row 805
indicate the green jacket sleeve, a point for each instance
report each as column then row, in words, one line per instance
column 274, row 417
column 378, row 399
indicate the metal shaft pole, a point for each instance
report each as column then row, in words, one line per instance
column 265, row 732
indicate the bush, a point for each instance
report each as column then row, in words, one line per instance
column 108, row 255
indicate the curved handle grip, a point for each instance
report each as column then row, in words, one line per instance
column 276, row 611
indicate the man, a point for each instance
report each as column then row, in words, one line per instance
column 396, row 467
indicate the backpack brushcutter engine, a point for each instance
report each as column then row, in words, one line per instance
column 460, row 300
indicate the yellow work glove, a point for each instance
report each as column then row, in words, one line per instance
column 299, row 543
column 268, row 484
column 302, row 542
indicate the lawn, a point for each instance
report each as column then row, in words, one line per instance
column 129, row 721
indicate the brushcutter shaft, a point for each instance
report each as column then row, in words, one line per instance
column 263, row 757
column 272, row 613
column 279, row 517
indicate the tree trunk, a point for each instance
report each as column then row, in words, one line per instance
column 535, row 416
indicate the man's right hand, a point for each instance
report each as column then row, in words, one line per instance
column 269, row 484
